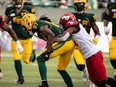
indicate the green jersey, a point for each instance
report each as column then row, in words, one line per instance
column 112, row 8
column 15, row 18
column 53, row 27
column 86, row 20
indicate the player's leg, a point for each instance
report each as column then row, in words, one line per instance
column 95, row 40
column 42, row 70
column 112, row 52
column 17, row 63
column 27, row 46
column 80, row 63
column 96, row 69
column 63, row 62
column 33, row 54
column 57, row 49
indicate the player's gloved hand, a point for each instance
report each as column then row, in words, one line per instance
column 106, row 30
column 19, row 46
column 45, row 56
column 96, row 38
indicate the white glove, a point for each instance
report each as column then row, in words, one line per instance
column 35, row 38
column 106, row 30
column 19, row 46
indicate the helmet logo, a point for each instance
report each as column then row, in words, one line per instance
column 65, row 17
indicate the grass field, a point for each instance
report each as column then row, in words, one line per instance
column 32, row 77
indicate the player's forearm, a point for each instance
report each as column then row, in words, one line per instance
column 105, row 22
column 13, row 34
column 96, row 30
column 62, row 37
column 50, row 42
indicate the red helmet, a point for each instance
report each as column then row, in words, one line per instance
column 67, row 17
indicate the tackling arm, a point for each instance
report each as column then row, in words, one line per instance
column 62, row 37
column 95, row 29
column 65, row 34
column 13, row 35
column 6, row 19
column 10, row 31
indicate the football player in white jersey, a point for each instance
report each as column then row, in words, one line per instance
column 92, row 55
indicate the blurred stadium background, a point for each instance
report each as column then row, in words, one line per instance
column 54, row 12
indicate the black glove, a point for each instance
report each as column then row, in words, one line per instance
column 45, row 56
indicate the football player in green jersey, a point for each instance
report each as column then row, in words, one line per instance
column 111, row 16
column 14, row 14
column 88, row 20
column 47, row 30
column 4, row 26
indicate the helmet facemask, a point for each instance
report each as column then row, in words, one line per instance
column 18, row 3
column 79, row 7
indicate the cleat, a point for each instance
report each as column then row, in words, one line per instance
column 20, row 80
column 84, row 76
column 1, row 74
column 44, row 85
column 33, row 56
column 91, row 84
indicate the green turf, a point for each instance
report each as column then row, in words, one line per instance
column 32, row 77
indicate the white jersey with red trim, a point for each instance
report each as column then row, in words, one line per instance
column 85, row 43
